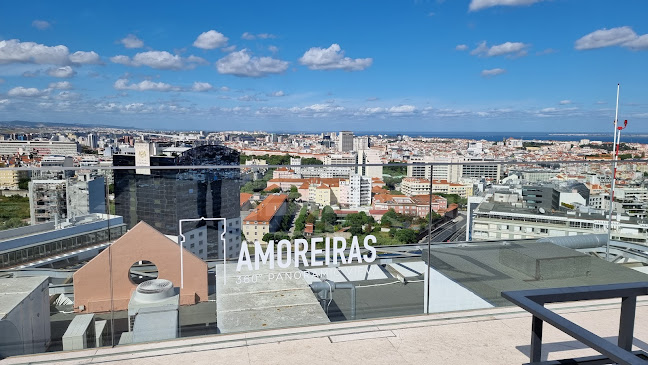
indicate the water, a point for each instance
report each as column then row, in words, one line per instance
column 500, row 136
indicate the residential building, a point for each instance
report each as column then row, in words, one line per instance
column 410, row 205
column 414, row 186
column 355, row 192
column 265, row 218
column 9, row 179
column 47, row 200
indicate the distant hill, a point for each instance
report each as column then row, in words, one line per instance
column 27, row 124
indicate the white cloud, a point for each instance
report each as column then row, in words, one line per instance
column 224, row 88
column 15, row 51
column 197, row 60
column 493, row 72
column 201, row 86
column 639, row 43
column 606, row 38
column 31, row 73
column 332, row 58
column 229, row 49
column 402, row 109
column 508, row 48
column 26, row 92
column 565, row 102
column 146, row 85
column 61, row 72
column 161, row 60
column 250, row 36
column 121, row 59
column 277, row 93
column 61, row 85
column 242, row 64
column 210, row 40
column 461, row 47
column 273, row 49
column 85, row 58
column 41, row 24
column 476, row 5
column 131, row 41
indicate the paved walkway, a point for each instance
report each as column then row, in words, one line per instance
column 490, row 336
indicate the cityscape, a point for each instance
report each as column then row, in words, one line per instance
column 197, row 190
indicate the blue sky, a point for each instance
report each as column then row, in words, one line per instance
column 438, row 65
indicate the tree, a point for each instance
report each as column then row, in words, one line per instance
column 268, row 237
column 328, row 215
column 311, row 218
column 23, row 184
column 355, row 230
column 311, row 161
column 405, row 236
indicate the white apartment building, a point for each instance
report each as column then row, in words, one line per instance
column 501, row 221
column 356, row 191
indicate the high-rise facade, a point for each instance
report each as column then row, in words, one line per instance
column 162, row 198
column 345, row 141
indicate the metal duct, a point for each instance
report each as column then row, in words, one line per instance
column 578, row 242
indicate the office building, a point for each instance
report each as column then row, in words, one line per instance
column 162, row 198
column 345, row 141
column 41, row 148
column 56, row 244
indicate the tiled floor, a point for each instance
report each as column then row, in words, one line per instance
column 491, row 336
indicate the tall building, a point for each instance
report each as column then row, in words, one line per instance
column 92, row 140
column 345, row 141
column 369, row 156
column 361, row 143
column 51, row 200
column 86, row 195
column 162, row 198
column 47, row 200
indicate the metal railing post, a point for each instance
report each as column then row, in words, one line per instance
column 535, row 353
column 626, row 322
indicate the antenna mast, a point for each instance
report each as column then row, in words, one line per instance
column 615, row 150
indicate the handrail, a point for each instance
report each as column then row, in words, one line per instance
column 533, row 301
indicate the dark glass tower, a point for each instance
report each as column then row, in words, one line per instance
column 162, row 197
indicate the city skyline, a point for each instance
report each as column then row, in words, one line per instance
column 476, row 65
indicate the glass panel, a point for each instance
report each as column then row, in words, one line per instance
column 275, row 241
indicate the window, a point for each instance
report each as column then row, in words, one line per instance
column 192, row 245
column 200, row 242
column 200, row 234
column 200, row 251
column 191, row 237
